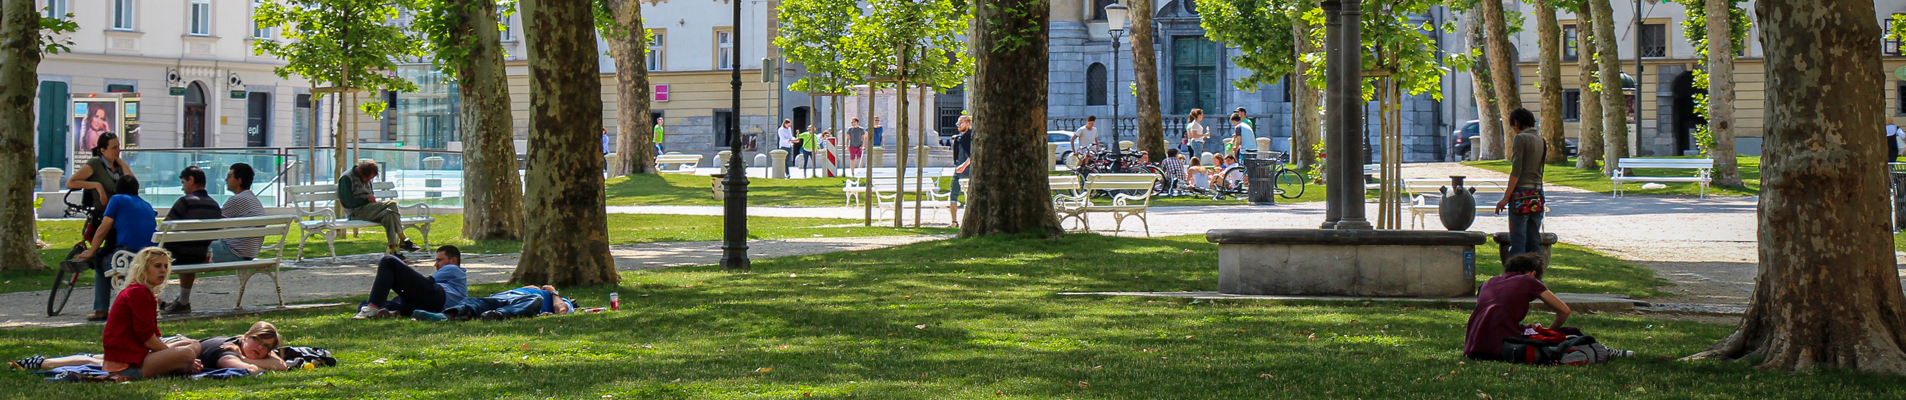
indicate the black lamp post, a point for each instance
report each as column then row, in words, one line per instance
column 734, row 245
column 1115, row 26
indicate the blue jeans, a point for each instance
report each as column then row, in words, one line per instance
column 1525, row 234
column 223, row 253
column 512, row 304
column 414, row 290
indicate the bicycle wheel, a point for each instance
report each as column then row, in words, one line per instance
column 1290, row 183
column 63, row 285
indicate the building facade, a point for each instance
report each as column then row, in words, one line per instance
column 164, row 76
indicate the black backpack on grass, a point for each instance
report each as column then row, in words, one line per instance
column 1577, row 350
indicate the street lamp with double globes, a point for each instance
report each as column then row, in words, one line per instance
column 1115, row 26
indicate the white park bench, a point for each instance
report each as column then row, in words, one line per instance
column 322, row 220
column 1123, row 205
column 213, row 229
column 1068, row 184
column 1420, row 206
column 1703, row 168
column 677, row 163
column 889, row 190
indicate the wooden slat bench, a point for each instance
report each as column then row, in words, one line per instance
column 677, row 163
column 1123, row 205
column 1703, row 168
column 317, row 216
column 213, row 229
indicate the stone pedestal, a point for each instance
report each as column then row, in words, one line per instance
column 1374, row 263
column 874, row 155
column 1263, row 146
column 50, row 179
column 777, row 164
column 1052, row 154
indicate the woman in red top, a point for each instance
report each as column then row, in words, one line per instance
column 1503, row 302
column 133, row 348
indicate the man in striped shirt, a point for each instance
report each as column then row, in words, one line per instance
column 242, row 204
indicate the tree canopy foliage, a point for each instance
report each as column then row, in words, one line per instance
column 1261, row 31
column 340, row 43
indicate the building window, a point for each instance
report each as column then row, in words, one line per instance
column 201, row 14
column 1654, row 40
column 657, row 50
column 725, row 49
column 1098, row 9
column 121, row 88
column 55, row 9
column 509, row 32
column 1568, row 43
column 122, row 15
column 1095, row 85
column 259, row 31
column 1899, row 98
column 1572, row 105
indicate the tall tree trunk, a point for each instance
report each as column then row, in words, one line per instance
column 1151, row 129
column 19, row 81
column 567, row 242
column 1488, row 116
column 1589, row 148
column 1614, row 103
column 1720, row 93
column 630, row 48
column 491, row 187
column 1304, row 119
column 1828, row 294
column 1009, row 195
column 1502, row 68
column 1550, row 70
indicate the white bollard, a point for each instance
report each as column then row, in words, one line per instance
column 777, row 164
column 50, row 179
column 760, row 159
column 1208, row 159
column 1052, row 155
column 874, row 156
column 1263, row 146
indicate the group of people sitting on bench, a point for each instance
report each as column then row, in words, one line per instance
column 444, row 294
column 126, row 221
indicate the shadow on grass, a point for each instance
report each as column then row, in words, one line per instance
column 951, row 319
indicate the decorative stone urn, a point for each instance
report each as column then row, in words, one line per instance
column 1458, row 209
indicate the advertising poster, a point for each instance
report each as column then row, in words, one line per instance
column 93, row 118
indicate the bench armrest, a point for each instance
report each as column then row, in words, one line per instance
column 322, row 214
column 416, row 206
column 1123, row 198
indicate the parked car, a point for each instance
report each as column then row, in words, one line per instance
column 1064, row 141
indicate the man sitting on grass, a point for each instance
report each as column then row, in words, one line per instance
column 447, row 286
column 523, row 302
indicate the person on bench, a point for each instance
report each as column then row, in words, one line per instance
column 523, row 302
column 360, row 203
column 242, row 204
column 130, row 221
column 446, row 287
column 196, row 204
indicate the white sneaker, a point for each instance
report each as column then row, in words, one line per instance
column 366, row 312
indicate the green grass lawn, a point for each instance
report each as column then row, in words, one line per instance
column 974, row 318
column 697, row 190
column 1568, row 175
column 623, row 229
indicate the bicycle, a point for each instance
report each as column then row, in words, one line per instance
column 66, row 279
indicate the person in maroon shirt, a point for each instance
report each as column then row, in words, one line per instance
column 1503, row 302
column 133, row 348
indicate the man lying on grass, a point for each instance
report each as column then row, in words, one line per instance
column 444, row 288
column 523, row 302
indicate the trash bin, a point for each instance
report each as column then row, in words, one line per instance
column 1258, row 171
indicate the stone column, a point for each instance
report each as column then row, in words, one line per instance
column 1350, row 116
column 777, row 164
column 1333, row 104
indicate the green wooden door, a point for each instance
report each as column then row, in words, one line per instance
column 53, row 121
column 1194, row 74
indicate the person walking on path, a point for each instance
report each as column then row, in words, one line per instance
column 786, row 141
column 446, row 287
column 856, row 136
column 805, row 148
column 360, row 203
column 1524, row 200
column 658, row 136
column 196, row 204
column 963, row 157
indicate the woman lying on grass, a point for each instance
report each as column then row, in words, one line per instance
column 251, row 351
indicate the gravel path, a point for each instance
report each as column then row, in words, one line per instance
column 351, row 276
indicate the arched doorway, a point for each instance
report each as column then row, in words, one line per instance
column 192, row 128
column 1685, row 119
